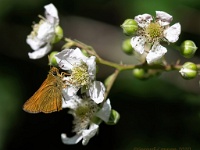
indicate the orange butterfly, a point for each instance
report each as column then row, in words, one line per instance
column 48, row 98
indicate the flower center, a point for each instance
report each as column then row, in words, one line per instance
column 80, row 76
column 154, row 32
column 83, row 114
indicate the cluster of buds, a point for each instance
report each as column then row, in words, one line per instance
column 146, row 34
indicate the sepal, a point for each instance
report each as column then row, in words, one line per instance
column 114, row 118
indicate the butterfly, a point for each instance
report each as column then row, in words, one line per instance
column 48, row 98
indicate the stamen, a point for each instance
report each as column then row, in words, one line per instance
column 154, row 32
column 83, row 114
column 80, row 76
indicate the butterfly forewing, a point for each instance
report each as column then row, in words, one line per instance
column 48, row 98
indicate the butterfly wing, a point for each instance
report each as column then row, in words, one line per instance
column 52, row 100
column 47, row 99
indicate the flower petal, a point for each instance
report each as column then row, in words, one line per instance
column 89, row 133
column 156, row 52
column 70, row 90
column 104, row 112
column 72, row 140
column 97, row 91
column 40, row 52
column 71, row 103
column 45, row 32
column 51, row 14
column 34, row 42
column 163, row 18
column 143, row 20
column 172, row 33
column 138, row 44
column 91, row 63
column 68, row 57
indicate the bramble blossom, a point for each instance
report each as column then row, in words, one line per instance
column 82, row 95
column 82, row 74
column 43, row 33
column 151, row 32
column 84, row 112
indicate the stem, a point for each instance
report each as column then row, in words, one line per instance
column 111, row 81
column 122, row 67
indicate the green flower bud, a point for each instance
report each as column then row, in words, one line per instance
column 188, row 49
column 129, row 27
column 52, row 59
column 58, row 35
column 144, row 74
column 126, row 47
column 189, row 70
column 140, row 73
column 114, row 117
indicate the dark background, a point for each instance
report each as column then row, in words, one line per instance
column 161, row 112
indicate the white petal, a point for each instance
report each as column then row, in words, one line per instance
column 97, row 91
column 104, row 112
column 143, row 20
column 88, row 134
column 71, row 103
column 68, row 57
column 72, row 140
column 63, row 59
column 91, row 63
column 156, row 52
column 63, row 64
column 77, row 54
column 46, row 32
column 172, row 33
column 163, row 18
column 138, row 44
column 69, row 97
column 51, row 14
column 40, row 52
column 34, row 42
column 71, row 90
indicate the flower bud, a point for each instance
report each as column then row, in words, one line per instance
column 188, row 70
column 114, row 117
column 144, row 74
column 52, row 59
column 129, row 27
column 58, row 35
column 188, row 49
column 126, row 47
column 140, row 73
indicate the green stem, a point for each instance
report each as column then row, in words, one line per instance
column 122, row 67
column 111, row 79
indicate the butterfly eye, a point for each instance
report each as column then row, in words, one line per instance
column 54, row 73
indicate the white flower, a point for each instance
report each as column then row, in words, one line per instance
column 43, row 33
column 83, row 70
column 83, row 111
column 70, row 58
column 151, row 32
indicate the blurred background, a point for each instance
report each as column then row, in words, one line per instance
column 161, row 112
